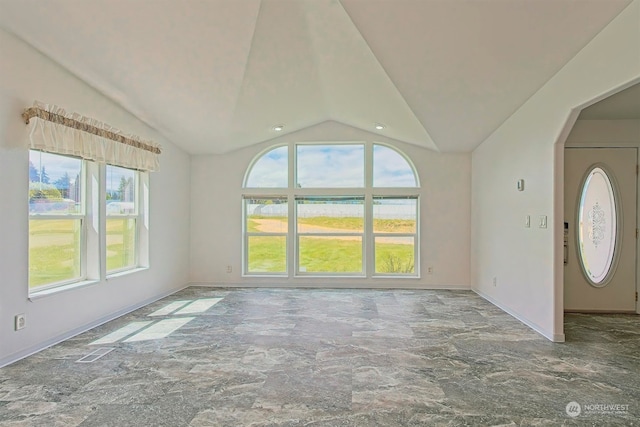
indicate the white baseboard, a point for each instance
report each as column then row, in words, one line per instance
column 329, row 285
column 12, row 358
column 547, row 334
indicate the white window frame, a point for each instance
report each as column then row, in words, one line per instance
column 93, row 251
column 300, row 234
column 413, row 235
column 140, row 217
column 368, row 192
column 83, row 217
column 248, row 234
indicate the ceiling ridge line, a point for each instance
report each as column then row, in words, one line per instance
column 246, row 62
column 388, row 77
column 316, row 63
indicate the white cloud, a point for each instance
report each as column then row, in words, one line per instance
column 271, row 170
column 331, row 166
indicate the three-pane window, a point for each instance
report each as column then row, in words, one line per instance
column 346, row 209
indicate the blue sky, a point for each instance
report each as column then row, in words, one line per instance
column 56, row 166
column 330, row 166
column 338, row 165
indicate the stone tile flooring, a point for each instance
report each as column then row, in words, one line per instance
column 308, row 357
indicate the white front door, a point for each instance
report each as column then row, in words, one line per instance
column 600, row 189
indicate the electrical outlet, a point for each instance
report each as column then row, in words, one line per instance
column 229, row 269
column 429, row 270
column 20, row 321
column 495, row 281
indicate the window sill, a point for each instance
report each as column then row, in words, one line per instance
column 38, row 294
column 62, row 288
column 121, row 273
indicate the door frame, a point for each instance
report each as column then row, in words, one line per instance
column 558, row 203
column 616, row 187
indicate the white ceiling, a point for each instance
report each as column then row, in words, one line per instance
column 216, row 75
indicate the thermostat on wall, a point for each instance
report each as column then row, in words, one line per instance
column 521, row 185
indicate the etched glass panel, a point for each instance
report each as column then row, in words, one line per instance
column 597, row 222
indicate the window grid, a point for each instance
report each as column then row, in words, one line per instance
column 56, row 250
column 81, row 202
column 292, row 193
column 273, row 236
column 122, row 219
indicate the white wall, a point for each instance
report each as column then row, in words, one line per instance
column 529, row 145
column 25, row 76
column 216, row 215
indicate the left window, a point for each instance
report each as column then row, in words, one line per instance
column 57, row 219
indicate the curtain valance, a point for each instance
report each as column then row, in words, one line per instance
column 54, row 130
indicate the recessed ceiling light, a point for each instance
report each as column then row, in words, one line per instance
column 278, row 128
column 379, row 126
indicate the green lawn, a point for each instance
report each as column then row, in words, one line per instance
column 268, row 255
column 54, row 251
column 394, row 258
column 327, row 254
column 341, row 224
column 121, row 243
column 330, row 255
column 54, row 248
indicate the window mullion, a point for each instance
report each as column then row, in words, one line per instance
column 324, row 177
column 368, row 247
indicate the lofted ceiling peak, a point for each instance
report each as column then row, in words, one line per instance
column 215, row 76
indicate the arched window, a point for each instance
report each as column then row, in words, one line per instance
column 347, row 209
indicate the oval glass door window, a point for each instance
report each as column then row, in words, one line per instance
column 598, row 227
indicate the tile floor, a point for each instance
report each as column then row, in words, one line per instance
column 309, row 357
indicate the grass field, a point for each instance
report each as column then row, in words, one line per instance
column 341, row 224
column 331, row 254
column 54, row 251
column 54, row 248
column 121, row 243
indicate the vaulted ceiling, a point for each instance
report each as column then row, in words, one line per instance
column 217, row 75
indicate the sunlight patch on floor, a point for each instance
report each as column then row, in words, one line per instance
column 121, row 333
column 161, row 329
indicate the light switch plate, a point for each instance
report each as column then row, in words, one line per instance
column 543, row 221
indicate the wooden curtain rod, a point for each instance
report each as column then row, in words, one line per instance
column 75, row 124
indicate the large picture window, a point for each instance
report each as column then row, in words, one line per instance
column 331, row 209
